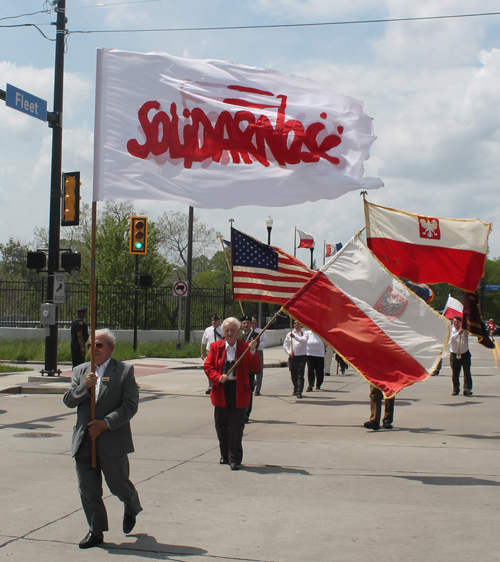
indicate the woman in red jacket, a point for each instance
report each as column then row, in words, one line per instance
column 230, row 395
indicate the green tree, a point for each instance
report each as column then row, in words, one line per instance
column 13, row 262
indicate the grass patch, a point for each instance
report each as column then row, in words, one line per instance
column 12, row 369
column 34, row 350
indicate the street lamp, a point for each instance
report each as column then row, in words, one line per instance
column 269, row 225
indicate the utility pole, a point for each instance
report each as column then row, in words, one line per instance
column 50, row 367
column 189, row 277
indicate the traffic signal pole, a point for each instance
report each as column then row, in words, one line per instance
column 50, row 367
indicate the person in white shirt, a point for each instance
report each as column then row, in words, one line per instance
column 315, row 360
column 262, row 345
column 211, row 334
column 295, row 345
column 460, row 358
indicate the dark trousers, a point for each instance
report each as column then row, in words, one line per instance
column 376, row 396
column 229, row 425
column 315, row 370
column 297, row 365
column 260, row 375
column 76, row 354
column 456, row 366
column 116, row 471
column 251, row 379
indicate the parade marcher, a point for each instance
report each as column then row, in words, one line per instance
column 79, row 337
column 315, row 360
column 460, row 358
column 260, row 350
column 230, row 394
column 376, row 396
column 117, row 401
column 329, row 353
column 248, row 335
column 211, row 334
column 295, row 345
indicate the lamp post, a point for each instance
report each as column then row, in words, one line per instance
column 269, row 225
column 179, row 321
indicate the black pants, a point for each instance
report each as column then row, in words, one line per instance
column 456, row 366
column 315, row 370
column 297, row 365
column 116, row 471
column 376, row 396
column 76, row 354
column 229, row 425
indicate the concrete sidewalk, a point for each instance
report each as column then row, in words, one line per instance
column 315, row 486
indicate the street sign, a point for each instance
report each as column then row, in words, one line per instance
column 180, row 288
column 59, row 288
column 26, row 103
column 492, row 287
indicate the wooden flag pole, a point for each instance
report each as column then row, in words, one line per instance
column 92, row 322
column 256, row 339
column 230, row 268
column 291, row 332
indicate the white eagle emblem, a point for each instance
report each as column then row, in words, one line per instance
column 391, row 304
column 429, row 228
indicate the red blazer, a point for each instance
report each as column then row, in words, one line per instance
column 214, row 366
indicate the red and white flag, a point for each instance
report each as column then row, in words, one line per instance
column 217, row 135
column 388, row 333
column 452, row 308
column 427, row 249
column 306, row 239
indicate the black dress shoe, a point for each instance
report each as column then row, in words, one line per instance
column 91, row 540
column 128, row 523
column 234, row 466
column 256, row 393
column 299, row 394
column 207, row 391
column 309, row 389
column 372, row 425
column 223, row 460
column 455, row 393
column 467, row 392
column 387, row 425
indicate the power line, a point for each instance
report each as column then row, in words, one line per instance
column 285, row 25
column 102, row 5
column 25, row 15
column 29, row 25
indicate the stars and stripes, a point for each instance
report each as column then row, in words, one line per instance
column 264, row 273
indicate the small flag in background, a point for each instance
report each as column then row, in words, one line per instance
column 332, row 249
column 452, row 308
column 306, row 239
column 264, row 273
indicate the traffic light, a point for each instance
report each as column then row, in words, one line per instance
column 145, row 280
column 71, row 199
column 71, row 261
column 36, row 260
column 138, row 235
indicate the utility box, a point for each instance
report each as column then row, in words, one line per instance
column 48, row 314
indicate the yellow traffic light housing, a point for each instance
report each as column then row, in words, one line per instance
column 71, row 199
column 138, row 235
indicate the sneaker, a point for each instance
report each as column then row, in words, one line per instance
column 372, row 425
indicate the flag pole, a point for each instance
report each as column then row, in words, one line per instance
column 256, row 339
column 229, row 265
column 92, row 322
column 324, row 251
column 294, row 241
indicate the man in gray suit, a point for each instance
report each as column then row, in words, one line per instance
column 117, row 400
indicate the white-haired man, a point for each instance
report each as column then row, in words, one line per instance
column 117, row 400
column 230, row 394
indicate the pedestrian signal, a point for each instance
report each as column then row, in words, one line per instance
column 138, row 235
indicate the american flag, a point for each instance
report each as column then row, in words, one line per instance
column 264, row 273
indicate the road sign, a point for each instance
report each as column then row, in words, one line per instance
column 26, row 103
column 59, row 288
column 492, row 287
column 180, row 288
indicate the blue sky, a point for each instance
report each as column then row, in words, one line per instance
column 431, row 87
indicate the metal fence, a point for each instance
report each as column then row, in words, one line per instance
column 158, row 308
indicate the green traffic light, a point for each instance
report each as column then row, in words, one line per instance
column 138, row 245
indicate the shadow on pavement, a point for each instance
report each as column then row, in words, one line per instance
column 451, row 480
column 147, row 546
column 274, row 469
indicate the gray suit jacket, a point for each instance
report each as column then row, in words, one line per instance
column 118, row 403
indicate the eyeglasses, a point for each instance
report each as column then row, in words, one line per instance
column 97, row 344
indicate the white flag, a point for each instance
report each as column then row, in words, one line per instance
column 214, row 134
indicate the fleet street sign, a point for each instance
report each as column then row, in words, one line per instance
column 26, row 103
